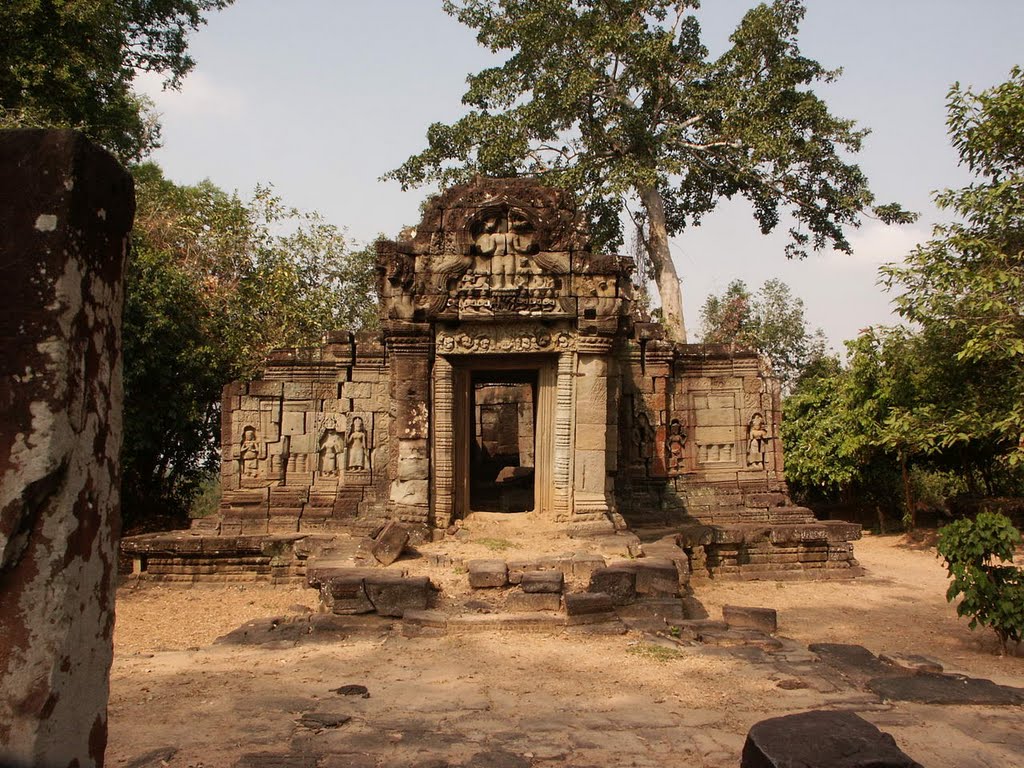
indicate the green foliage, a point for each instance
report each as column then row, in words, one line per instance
column 619, row 99
column 213, row 284
column 771, row 321
column 71, row 64
column 967, row 282
column 979, row 556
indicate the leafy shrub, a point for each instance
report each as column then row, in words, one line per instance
column 979, row 559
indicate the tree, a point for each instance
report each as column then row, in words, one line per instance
column 966, row 283
column 71, row 64
column 772, row 322
column 979, row 560
column 213, row 284
column 619, row 99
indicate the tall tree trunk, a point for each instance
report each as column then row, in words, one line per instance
column 664, row 269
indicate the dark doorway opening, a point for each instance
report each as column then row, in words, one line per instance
column 503, row 420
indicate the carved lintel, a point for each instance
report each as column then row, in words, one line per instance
column 503, row 339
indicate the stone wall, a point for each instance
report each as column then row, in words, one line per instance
column 66, row 207
column 307, row 447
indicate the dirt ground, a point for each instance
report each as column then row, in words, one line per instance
column 518, row 698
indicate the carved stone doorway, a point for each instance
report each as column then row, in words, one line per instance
column 502, row 419
column 502, row 433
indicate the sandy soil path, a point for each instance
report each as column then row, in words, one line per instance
column 522, row 699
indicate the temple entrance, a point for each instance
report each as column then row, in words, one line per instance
column 502, row 454
column 502, row 434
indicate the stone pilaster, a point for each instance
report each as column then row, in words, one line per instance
column 409, row 349
column 443, row 448
column 565, row 398
column 596, row 435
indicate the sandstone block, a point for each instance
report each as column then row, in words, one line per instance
column 584, row 564
column 619, row 583
column 346, row 593
column 542, row 581
column 520, row 602
column 390, row 543
column 657, row 578
column 487, row 573
column 393, row 595
column 582, row 603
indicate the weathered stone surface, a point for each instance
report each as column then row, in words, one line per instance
column 618, row 582
column 542, row 581
column 581, row 603
column 394, row 595
column 930, row 688
column 761, row 619
column 345, row 593
column 487, row 573
column 584, row 564
column 533, row 601
column 66, row 208
column 912, row 662
column 821, row 740
column 656, row 577
column 390, row 543
column 854, row 662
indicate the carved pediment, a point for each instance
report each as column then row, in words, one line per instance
column 499, row 248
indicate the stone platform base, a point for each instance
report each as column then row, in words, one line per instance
column 819, row 550
column 190, row 556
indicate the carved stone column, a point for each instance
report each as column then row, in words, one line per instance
column 596, row 433
column 409, row 346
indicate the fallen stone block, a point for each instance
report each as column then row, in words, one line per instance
column 484, row 574
column 390, row 543
column 434, row 619
column 542, row 581
column 394, row 595
column 821, row 740
column 527, row 602
column 583, row 603
column 741, row 617
column 616, row 581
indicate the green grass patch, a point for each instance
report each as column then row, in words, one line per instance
column 654, row 652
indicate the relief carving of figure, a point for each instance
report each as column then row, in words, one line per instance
column 757, row 440
column 357, row 444
column 674, row 445
column 331, row 447
column 249, row 452
column 503, row 236
column 643, row 438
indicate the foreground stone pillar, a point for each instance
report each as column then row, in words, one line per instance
column 66, row 207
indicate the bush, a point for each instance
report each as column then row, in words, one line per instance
column 979, row 559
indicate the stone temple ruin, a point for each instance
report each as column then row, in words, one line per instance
column 512, row 374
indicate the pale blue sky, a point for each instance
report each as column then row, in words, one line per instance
column 321, row 97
